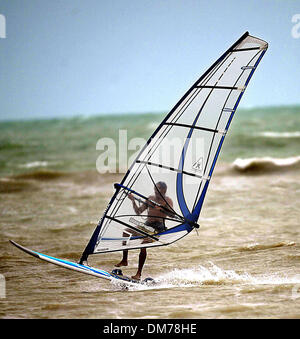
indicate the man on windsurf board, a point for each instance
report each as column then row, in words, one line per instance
column 159, row 207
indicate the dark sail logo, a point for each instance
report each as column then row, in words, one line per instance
column 198, row 165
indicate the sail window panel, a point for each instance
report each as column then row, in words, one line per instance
column 196, row 189
column 247, row 69
column 164, row 149
column 186, row 112
column 145, row 185
column 228, row 75
column 212, row 110
column 197, row 148
column 241, row 81
column 206, row 147
column 112, row 237
column 118, row 237
column 227, row 111
column 209, row 103
column 225, row 66
column 188, row 104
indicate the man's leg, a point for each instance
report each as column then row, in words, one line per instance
column 124, row 261
column 142, row 259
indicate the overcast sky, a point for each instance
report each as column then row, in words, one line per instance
column 82, row 57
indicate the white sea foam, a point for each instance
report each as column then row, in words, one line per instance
column 212, row 275
column 215, row 275
column 200, row 275
column 269, row 134
column 203, row 275
column 35, row 164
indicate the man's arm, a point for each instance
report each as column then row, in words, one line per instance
column 169, row 206
column 138, row 210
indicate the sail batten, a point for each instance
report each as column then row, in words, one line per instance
column 160, row 198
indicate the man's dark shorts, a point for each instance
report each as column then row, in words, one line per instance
column 159, row 226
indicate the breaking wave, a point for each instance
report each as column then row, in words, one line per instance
column 265, row 165
column 41, row 175
column 258, row 247
column 13, row 186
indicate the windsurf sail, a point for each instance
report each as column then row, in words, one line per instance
column 161, row 196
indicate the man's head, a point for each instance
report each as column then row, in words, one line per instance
column 160, row 188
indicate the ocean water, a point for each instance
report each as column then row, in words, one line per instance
column 242, row 263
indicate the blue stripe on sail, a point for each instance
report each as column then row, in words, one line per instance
column 179, row 180
column 179, row 184
column 198, row 207
column 180, row 228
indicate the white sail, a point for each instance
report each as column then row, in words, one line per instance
column 181, row 154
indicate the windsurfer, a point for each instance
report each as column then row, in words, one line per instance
column 157, row 212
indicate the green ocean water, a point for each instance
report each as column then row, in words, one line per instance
column 69, row 144
column 243, row 262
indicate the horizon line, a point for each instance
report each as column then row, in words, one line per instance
column 116, row 114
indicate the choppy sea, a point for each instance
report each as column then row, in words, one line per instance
column 244, row 262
